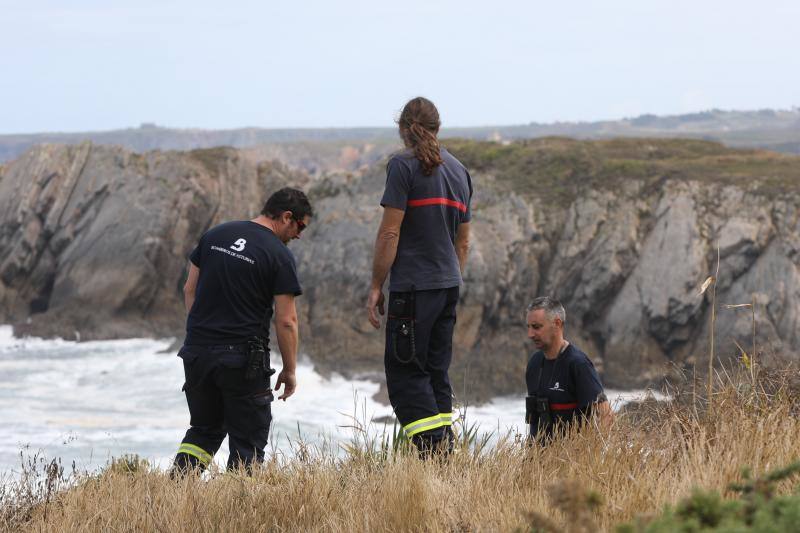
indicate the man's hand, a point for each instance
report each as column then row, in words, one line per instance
column 605, row 414
column 289, row 383
column 375, row 303
column 286, row 331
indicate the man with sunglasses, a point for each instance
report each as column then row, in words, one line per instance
column 236, row 273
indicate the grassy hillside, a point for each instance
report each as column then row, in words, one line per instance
column 592, row 481
column 557, row 169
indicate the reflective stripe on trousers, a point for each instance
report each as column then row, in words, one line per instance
column 428, row 423
column 196, row 451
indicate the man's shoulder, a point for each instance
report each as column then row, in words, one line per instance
column 224, row 227
column 575, row 355
column 535, row 357
column 451, row 160
column 284, row 254
column 405, row 158
column 406, row 154
column 246, row 233
column 233, row 224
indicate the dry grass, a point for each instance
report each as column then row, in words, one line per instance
column 654, row 455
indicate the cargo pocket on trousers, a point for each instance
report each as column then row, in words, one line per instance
column 401, row 339
column 400, row 326
column 262, row 408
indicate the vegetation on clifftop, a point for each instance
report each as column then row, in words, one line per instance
column 558, row 169
column 213, row 158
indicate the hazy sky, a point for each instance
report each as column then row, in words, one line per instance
column 81, row 65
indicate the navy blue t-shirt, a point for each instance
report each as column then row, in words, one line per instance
column 435, row 205
column 242, row 266
column 570, row 382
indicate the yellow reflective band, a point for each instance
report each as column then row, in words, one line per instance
column 423, row 424
column 196, row 451
column 447, row 419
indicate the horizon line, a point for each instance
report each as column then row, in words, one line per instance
column 149, row 125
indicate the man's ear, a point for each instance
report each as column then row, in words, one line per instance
column 558, row 322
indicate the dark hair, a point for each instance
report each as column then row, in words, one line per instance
column 419, row 123
column 288, row 199
column 552, row 308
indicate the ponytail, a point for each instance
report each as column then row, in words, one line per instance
column 426, row 148
column 419, row 123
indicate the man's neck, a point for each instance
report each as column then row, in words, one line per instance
column 266, row 222
column 555, row 350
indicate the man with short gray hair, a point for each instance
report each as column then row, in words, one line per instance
column 563, row 384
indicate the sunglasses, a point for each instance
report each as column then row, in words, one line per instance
column 300, row 225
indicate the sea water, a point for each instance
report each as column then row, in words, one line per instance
column 86, row 402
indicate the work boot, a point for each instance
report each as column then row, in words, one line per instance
column 450, row 439
column 433, row 443
column 185, row 464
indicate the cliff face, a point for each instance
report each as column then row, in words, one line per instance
column 623, row 232
column 95, row 239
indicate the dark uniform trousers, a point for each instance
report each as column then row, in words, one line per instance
column 221, row 401
column 419, row 347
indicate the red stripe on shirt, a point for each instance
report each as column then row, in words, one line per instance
column 563, row 406
column 438, row 201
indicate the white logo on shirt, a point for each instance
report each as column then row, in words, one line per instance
column 238, row 245
column 556, row 387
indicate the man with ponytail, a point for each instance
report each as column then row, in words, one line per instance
column 423, row 240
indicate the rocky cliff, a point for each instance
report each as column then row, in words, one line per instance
column 95, row 240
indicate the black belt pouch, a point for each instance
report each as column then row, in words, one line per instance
column 401, row 326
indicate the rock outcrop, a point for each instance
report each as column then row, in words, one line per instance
column 95, row 239
column 625, row 247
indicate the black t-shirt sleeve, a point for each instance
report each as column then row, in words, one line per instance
column 196, row 257
column 587, row 383
column 286, row 281
column 467, row 215
column 398, row 184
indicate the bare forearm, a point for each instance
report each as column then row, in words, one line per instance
column 288, row 339
column 385, row 253
column 188, row 300
column 190, row 287
column 462, row 246
column 462, row 252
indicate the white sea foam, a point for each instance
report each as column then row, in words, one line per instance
column 89, row 401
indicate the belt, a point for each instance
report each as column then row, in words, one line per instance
column 228, row 347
